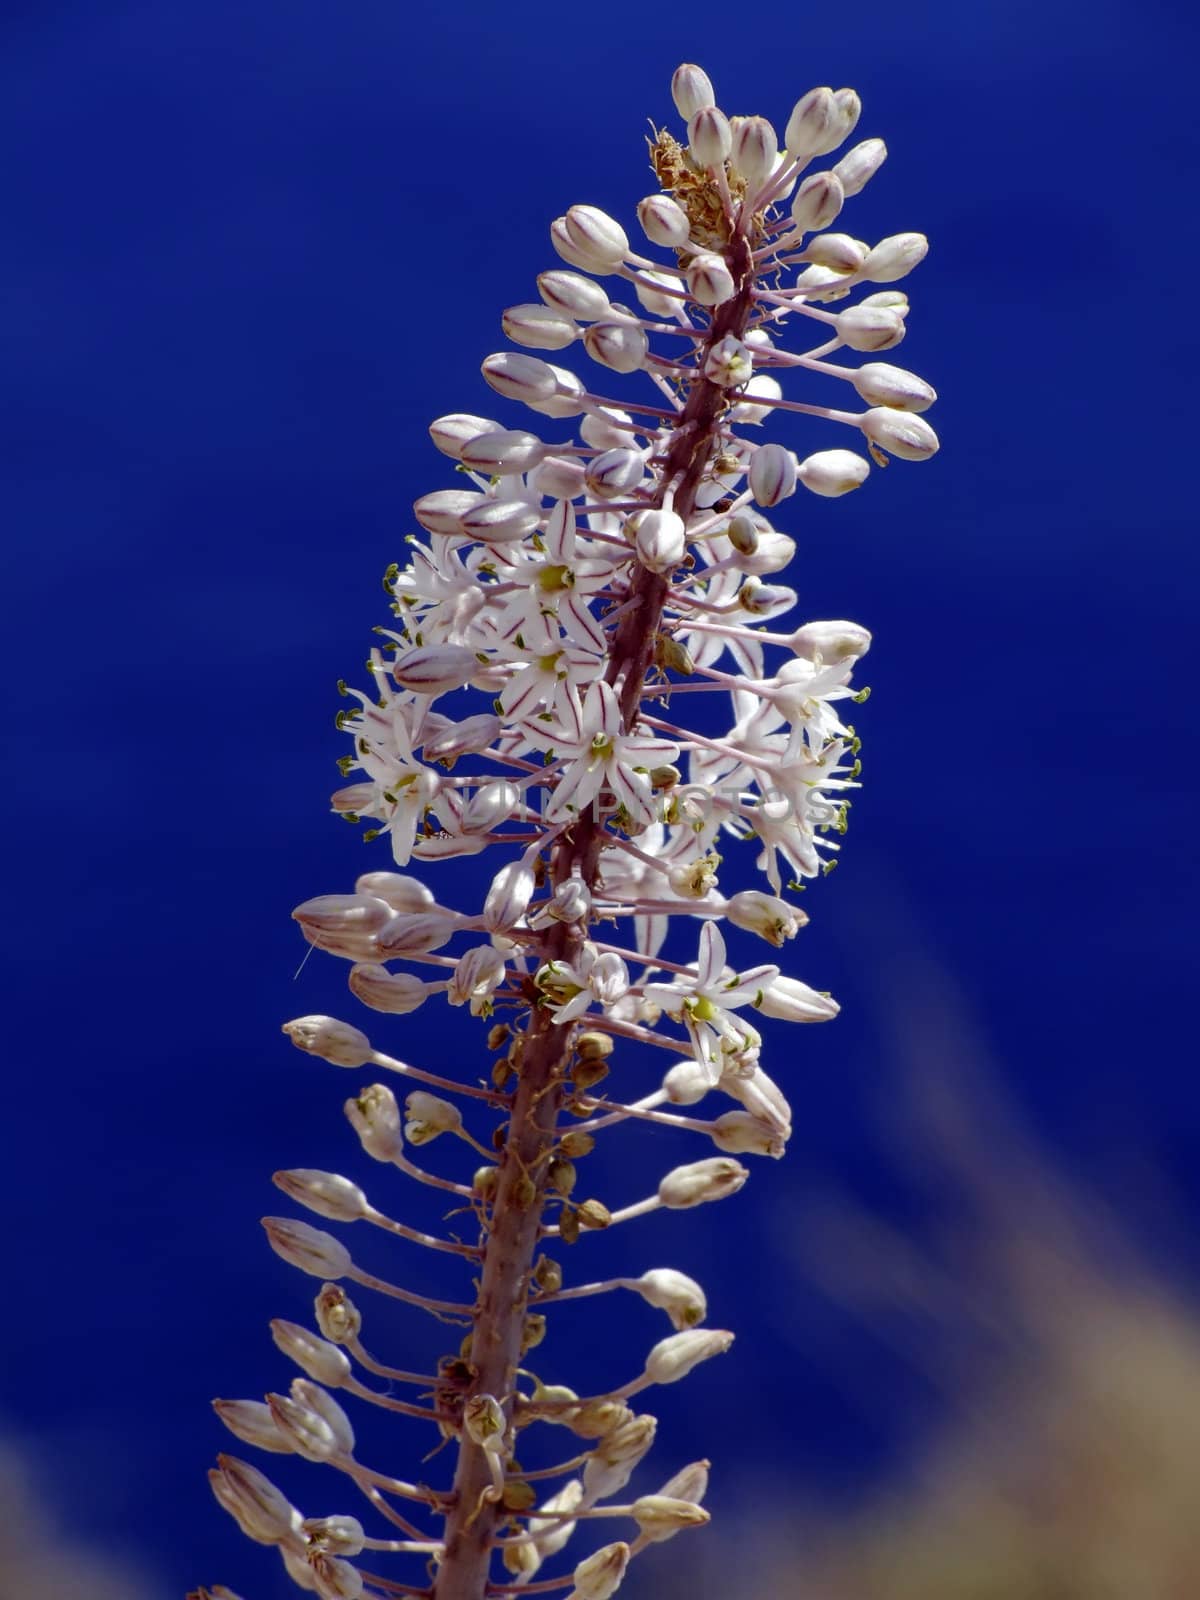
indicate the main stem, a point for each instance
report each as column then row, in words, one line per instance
column 512, row 1242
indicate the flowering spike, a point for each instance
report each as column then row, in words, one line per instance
column 529, row 706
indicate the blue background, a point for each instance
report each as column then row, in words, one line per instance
column 250, row 250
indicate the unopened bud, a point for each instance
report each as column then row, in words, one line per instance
column 660, row 538
column 313, row 1251
column 895, row 257
column 333, row 1041
column 323, row 1192
column 789, row 1000
column 434, row 669
column 674, row 1357
column 709, row 280
column 701, row 1181
column 262, row 1512
column 765, row 914
column 664, row 221
column 595, row 233
column 740, row 1133
column 831, row 473
column 510, row 450
column 538, row 327
column 573, row 294
column 622, row 346
column 593, row 1214
column 395, row 992
column 709, row 137
column 859, row 165
column 519, row 377
column 691, row 90
column 754, row 150
column 829, row 642
column 729, row 363
column 817, row 124
column 817, row 201
column 881, row 384
column 450, row 433
column 772, row 475
column 251, row 1422
column 900, row 433
column 336, row 1579
column 660, row 1516
column 599, row 1575
column 320, row 1360
column 870, row 328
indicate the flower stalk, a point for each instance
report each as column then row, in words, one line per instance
column 567, row 592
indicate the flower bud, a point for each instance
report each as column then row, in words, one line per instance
column 333, row 1041
column 689, row 1483
column 511, row 891
column 495, row 521
column 612, row 1462
column 252, row 1500
column 314, row 1252
column 755, row 150
column 686, row 1083
column 573, row 294
column 833, row 472
column 598, row 1576
column 336, row 1579
column 394, row 992
column 338, row 1318
column 600, row 430
column 658, row 294
column 660, row 538
column 434, row 669
column 849, row 109
column 763, row 385
column 772, row 475
column 441, row 511
column 558, row 478
column 427, row 1116
column 858, row 166
column 450, row 433
column 595, row 233
column 614, row 473
column 619, row 345
column 817, row 201
column 664, row 221
column 398, row 890
column 490, row 805
column 507, row 451
column 729, row 363
column 709, row 137
column 343, row 924
column 701, row 1181
column 837, row 251
column 323, row 1192
column 815, row 126
column 741, row 1133
column 519, row 377
column 339, row 1536
column 871, row 328
column 567, row 399
column 691, row 90
column 251, row 1422
column 789, row 1000
column 899, row 433
column 321, row 1361
column 709, row 279
column 679, row 1296
column 415, row 933
column 895, row 257
column 475, row 979
column 313, row 1420
column 674, row 1357
column 660, row 1517
column 538, row 327
column 375, row 1117
column 880, row 384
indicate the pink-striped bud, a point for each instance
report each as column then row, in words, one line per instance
column 317, row 1253
column 870, row 328
column 573, row 295
column 817, row 124
column 895, row 257
column 498, row 522
column 508, row 450
column 755, row 149
column 511, row 891
column 818, row 200
column 833, row 472
column 434, row 669
column 594, row 232
column 252, row 1500
column 397, row 889
column 709, row 137
column 664, row 221
column 251, row 1422
column 899, row 433
column 660, row 539
column 326, row 1193
column 440, row 511
column 858, row 166
column 709, row 279
column 614, row 473
column 691, row 90
column 772, row 475
column 321, row 1361
column 880, row 384
column 539, row 327
column 519, row 377
column 336, row 1042
column 620, row 345
column 336, row 1579
column 450, row 433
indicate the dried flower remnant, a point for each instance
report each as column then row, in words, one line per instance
column 570, row 596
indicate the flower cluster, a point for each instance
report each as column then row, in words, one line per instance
column 530, row 703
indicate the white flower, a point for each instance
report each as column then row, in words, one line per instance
column 705, row 1005
column 596, row 754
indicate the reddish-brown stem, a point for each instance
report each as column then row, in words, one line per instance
column 512, row 1243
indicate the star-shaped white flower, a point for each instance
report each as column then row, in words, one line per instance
column 597, row 755
column 705, row 1005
